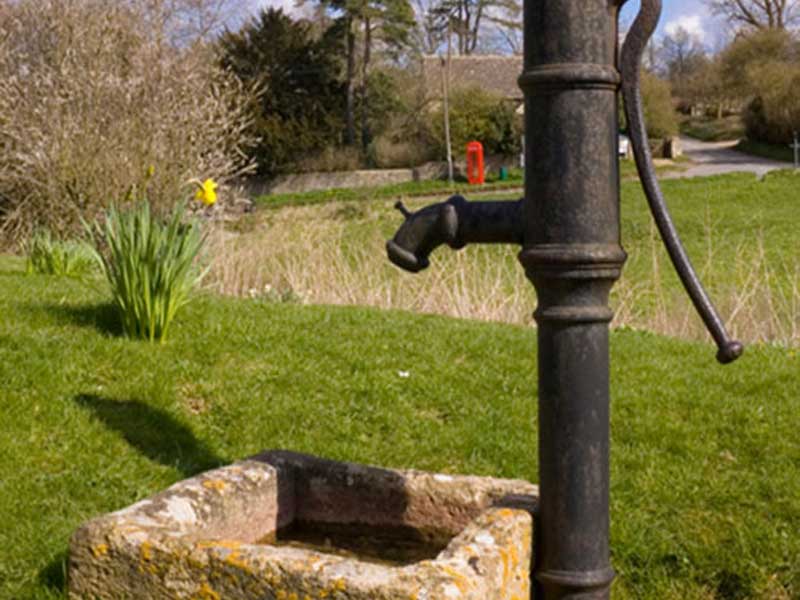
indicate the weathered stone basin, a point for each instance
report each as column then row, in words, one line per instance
column 286, row 526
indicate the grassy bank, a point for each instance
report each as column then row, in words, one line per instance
column 740, row 233
column 414, row 189
column 705, row 491
column 711, row 129
column 771, row 151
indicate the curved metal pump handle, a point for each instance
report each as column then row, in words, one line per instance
column 632, row 50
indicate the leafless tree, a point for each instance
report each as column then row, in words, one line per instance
column 757, row 14
column 681, row 54
column 467, row 19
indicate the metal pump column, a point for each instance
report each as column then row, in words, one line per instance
column 568, row 227
column 573, row 256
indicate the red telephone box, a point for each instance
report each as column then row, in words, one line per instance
column 475, row 163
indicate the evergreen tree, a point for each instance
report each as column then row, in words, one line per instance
column 299, row 112
column 384, row 23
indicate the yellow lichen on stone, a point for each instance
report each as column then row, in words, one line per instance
column 227, row 544
column 458, row 578
column 206, row 592
column 339, row 585
column 271, row 578
column 281, row 595
column 236, row 559
column 100, row 550
column 146, row 551
column 215, row 484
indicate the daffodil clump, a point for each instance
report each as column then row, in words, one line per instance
column 150, row 263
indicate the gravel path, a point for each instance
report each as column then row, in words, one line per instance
column 714, row 158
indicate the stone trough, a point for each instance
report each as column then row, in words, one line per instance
column 287, row 526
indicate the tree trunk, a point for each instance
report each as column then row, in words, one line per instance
column 365, row 133
column 350, row 120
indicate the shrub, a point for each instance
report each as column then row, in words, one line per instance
column 91, row 96
column 477, row 115
column 50, row 256
column 389, row 152
column 660, row 117
column 331, row 158
column 301, row 108
column 149, row 264
column 763, row 70
column 774, row 114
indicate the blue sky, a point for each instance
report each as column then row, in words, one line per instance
column 692, row 15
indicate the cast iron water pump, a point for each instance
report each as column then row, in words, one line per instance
column 568, row 227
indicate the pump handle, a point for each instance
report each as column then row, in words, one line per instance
column 630, row 63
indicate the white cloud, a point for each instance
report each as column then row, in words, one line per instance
column 693, row 24
column 288, row 6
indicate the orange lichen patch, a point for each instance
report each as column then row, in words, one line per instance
column 505, row 513
column 513, row 556
column 99, row 550
column 215, row 484
column 207, row 593
column 506, row 566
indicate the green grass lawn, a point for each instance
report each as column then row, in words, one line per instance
column 413, row 189
column 764, row 150
column 705, row 459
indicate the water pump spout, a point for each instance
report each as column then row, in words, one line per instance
column 456, row 223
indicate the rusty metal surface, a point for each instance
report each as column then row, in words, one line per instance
column 635, row 44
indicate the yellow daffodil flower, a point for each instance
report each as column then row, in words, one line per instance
column 207, row 194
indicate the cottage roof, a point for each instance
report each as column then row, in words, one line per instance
column 494, row 73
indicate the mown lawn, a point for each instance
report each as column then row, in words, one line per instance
column 705, row 459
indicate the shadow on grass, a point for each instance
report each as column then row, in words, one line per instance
column 54, row 575
column 154, row 433
column 103, row 316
